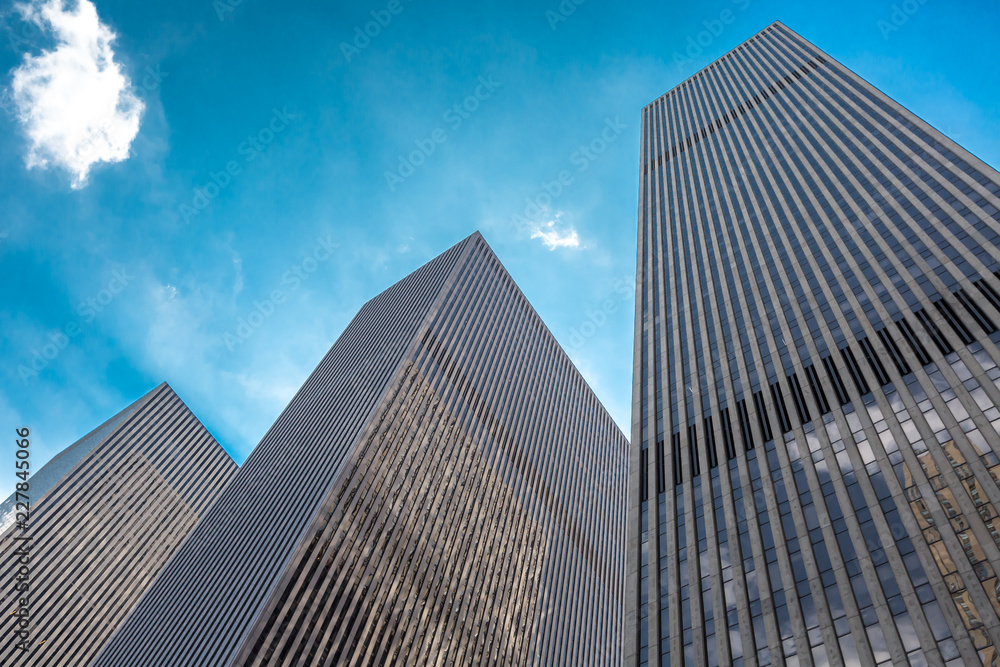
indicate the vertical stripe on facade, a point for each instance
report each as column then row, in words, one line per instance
column 821, row 245
column 122, row 501
column 476, row 517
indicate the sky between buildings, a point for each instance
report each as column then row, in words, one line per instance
column 206, row 192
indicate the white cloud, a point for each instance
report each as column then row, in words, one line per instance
column 76, row 105
column 556, row 235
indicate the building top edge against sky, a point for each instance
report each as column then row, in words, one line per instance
column 778, row 24
column 550, row 337
column 701, row 72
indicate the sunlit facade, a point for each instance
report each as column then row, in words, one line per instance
column 814, row 465
column 445, row 489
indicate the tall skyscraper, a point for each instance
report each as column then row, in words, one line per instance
column 105, row 515
column 444, row 489
column 814, row 469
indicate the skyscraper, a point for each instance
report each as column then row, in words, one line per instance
column 444, row 489
column 105, row 515
column 814, row 469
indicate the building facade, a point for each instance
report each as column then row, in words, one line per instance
column 814, row 465
column 444, row 489
column 104, row 516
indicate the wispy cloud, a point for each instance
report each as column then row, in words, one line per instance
column 555, row 234
column 76, row 105
column 238, row 282
column 176, row 335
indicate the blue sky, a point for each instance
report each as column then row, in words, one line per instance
column 219, row 152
